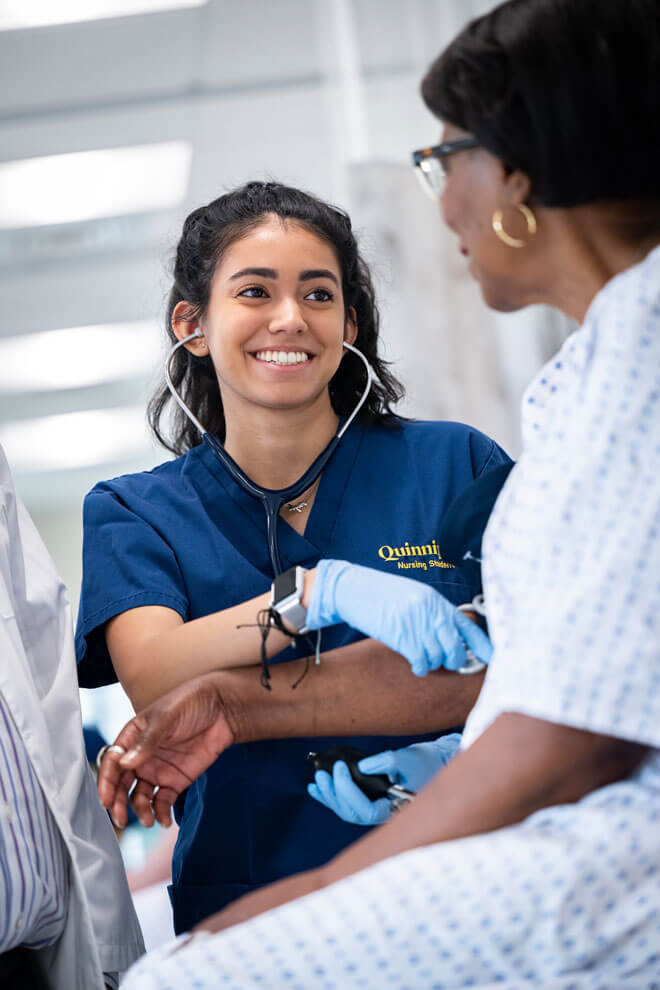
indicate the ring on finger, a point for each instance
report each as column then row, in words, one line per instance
column 138, row 790
column 108, row 749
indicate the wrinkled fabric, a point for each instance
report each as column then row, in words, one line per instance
column 34, row 889
column 38, row 686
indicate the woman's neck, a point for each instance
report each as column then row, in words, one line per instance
column 276, row 446
column 586, row 254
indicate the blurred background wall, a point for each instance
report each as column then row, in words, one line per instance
column 117, row 117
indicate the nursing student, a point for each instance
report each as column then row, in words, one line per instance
column 273, row 280
column 533, row 858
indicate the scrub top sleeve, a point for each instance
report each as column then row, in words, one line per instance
column 127, row 564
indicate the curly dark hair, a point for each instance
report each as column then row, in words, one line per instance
column 565, row 90
column 207, row 233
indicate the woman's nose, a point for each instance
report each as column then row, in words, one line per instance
column 287, row 316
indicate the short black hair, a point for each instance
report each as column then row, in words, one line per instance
column 568, row 91
column 207, row 233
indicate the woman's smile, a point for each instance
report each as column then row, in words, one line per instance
column 283, row 359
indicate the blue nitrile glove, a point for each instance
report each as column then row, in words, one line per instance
column 408, row 616
column 411, row 767
column 341, row 794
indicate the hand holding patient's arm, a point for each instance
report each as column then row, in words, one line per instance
column 146, row 644
column 409, row 616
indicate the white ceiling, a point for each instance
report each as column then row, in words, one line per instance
column 292, row 89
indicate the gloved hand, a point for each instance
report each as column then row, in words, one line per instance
column 411, row 767
column 340, row 794
column 408, row 616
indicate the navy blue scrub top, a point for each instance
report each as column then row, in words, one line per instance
column 186, row 536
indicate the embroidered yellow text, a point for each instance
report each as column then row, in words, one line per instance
column 403, row 554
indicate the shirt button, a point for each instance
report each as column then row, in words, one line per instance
column 19, row 922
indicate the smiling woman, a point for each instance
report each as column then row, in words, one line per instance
column 274, row 329
column 271, row 282
column 252, row 224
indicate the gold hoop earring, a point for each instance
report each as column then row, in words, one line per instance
column 498, row 226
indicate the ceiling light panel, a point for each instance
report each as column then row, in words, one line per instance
column 85, row 185
column 78, row 357
column 74, row 440
column 39, row 13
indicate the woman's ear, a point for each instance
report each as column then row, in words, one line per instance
column 350, row 327
column 517, row 188
column 184, row 324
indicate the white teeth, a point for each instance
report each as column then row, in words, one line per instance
column 282, row 357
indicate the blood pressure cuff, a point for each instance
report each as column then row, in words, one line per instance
column 464, row 522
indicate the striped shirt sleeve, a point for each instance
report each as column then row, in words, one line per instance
column 34, row 881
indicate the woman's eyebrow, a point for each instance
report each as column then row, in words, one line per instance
column 262, row 272
column 304, row 276
column 318, row 273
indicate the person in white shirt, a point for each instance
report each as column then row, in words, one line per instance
column 66, row 916
column 533, row 858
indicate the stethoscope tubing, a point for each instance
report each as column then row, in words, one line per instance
column 271, row 499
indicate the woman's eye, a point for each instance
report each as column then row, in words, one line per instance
column 254, row 292
column 319, row 295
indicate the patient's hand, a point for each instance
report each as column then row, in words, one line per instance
column 168, row 745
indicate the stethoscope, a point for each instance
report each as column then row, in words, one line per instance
column 271, row 499
column 473, row 665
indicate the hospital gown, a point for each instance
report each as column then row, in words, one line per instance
column 571, row 896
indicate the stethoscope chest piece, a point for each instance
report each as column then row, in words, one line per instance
column 473, row 665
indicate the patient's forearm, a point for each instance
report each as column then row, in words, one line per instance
column 518, row 766
column 361, row 689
